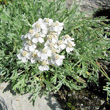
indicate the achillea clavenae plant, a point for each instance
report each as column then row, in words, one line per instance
column 64, row 47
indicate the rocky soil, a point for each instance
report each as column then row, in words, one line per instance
column 12, row 101
column 90, row 5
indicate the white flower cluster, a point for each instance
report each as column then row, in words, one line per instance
column 41, row 44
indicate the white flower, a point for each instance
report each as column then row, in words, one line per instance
column 68, row 41
column 37, row 38
column 29, row 46
column 44, row 66
column 70, row 47
column 56, row 47
column 67, row 38
column 29, row 35
column 44, row 54
column 57, row 59
column 34, row 56
column 52, row 37
column 48, row 21
column 61, row 46
column 56, row 27
column 39, row 26
column 23, row 55
column 51, row 46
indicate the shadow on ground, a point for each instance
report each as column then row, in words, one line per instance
column 9, row 88
column 3, row 104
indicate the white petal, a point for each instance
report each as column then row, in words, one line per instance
column 33, row 60
column 41, row 40
column 43, row 26
column 40, row 20
column 58, row 50
column 44, row 56
column 45, row 31
column 62, row 56
column 56, row 29
column 34, row 24
column 43, row 35
column 72, row 38
column 38, row 29
column 26, row 36
column 39, row 54
column 61, row 24
column 49, row 53
column 50, row 21
column 46, row 68
column 58, row 33
column 63, row 46
column 41, row 68
column 51, row 62
column 54, row 40
column 28, row 56
column 35, row 40
column 56, row 46
column 34, row 46
column 31, row 48
column 24, row 59
column 73, row 44
column 19, row 56
column 68, row 50
column 30, row 36
column 71, row 49
column 59, row 62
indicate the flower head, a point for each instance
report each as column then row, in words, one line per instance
column 23, row 55
column 43, row 45
column 44, row 66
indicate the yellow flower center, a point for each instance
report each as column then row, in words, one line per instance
column 37, row 35
column 53, row 24
column 54, row 50
column 31, row 31
column 56, row 24
column 51, row 44
column 47, row 20
column 60, row 42
column 34, row 54
column 67, row 36
column 44, row 51
column 70, row 45
column 37, row 25
column 44, row 63
column 29, row 42
column 50, row 37
column 24, row 53
column 57, row 56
